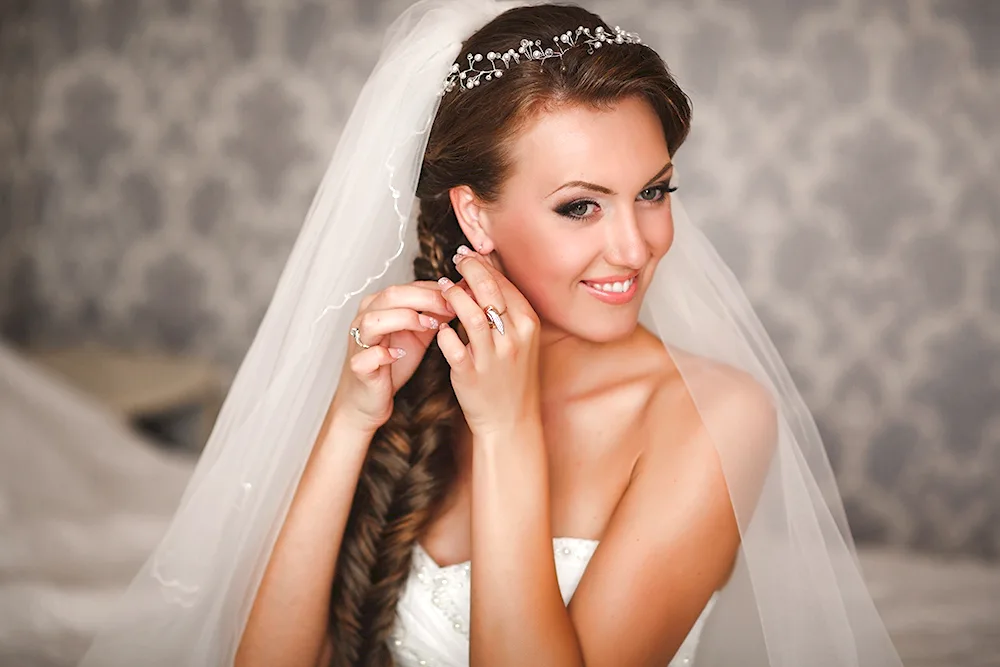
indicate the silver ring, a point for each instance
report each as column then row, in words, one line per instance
column 493, row 316
column 356, row 332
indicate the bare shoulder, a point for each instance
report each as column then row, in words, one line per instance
column 702, row 405
column 711, row 384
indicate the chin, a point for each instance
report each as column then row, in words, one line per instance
column 609, row 330
column 601, row 329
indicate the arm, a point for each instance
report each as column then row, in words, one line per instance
column 674, row 533
column 287, row 624
column 516, row 610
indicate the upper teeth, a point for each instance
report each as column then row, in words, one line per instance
column 614, row 287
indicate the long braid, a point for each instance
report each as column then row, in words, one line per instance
column 387, row 462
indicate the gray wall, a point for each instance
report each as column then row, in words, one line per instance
column 157, row 158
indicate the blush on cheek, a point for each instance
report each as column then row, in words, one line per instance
column 662, row 237
column 531, row 259
column 538, row 288
column 539, row 284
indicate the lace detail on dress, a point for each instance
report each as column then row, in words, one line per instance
column 446, row 585
column 432, row 623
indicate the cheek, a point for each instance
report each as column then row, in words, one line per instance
column 659, row 234
column 542, row 262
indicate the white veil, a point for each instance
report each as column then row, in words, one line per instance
column 796, row 597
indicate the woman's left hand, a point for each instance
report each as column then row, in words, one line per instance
column 495, row 376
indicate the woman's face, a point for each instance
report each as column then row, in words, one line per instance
column 587, row 206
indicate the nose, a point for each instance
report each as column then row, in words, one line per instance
column 626, row 246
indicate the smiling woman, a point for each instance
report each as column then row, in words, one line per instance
column 559, row 434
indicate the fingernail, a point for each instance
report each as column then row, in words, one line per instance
column 464, row 250
column 397, row 352
column 455, row 258
column 444, row 282
column 429, row 322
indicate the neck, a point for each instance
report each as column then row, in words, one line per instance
column 570, row 365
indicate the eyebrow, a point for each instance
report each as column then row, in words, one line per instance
column 605, row 190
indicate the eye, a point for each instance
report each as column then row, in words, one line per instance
column 656, row 192
column 580, row 209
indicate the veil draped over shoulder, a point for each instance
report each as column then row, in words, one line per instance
column 796, row 597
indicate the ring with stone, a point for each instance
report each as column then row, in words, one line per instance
column 493, row 316
column 356, row 332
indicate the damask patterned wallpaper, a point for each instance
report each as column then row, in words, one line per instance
column 157, row 158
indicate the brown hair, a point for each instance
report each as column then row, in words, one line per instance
column 411, row 462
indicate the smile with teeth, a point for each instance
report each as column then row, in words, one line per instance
column 613, row 287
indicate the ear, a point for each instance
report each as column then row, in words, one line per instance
column 473, row 218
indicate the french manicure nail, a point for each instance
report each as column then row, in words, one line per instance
column 455, row 258
column 397, row 352
column 429, row 322
column 444, row 282
column 464, row 250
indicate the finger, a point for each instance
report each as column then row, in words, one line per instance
column 366, row 363
column 488, row 291
column 512, row 295
column 454, row 350
column 472, row 317
column 369, row 298
column 421, row 295
column 484, row 285
column 378, row 323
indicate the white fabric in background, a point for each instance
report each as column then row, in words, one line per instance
column 83, row 501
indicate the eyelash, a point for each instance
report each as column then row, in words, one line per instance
column 565, row 209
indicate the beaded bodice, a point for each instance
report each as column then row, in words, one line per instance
column 432, row 617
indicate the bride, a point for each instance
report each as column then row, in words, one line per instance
column 550, row 375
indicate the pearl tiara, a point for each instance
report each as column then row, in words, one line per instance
column 470, row 77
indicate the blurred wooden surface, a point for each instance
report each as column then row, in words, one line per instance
column 139, row 385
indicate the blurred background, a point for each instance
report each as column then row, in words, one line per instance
column 157, row 159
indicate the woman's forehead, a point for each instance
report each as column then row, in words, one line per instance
column 619, row 146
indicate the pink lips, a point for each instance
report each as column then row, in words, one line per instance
column 614, row 298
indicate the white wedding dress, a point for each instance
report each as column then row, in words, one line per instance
column 432, row 617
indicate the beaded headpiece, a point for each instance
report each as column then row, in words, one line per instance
column 472, row 76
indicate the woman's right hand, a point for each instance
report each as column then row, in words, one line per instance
column 399, row 324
